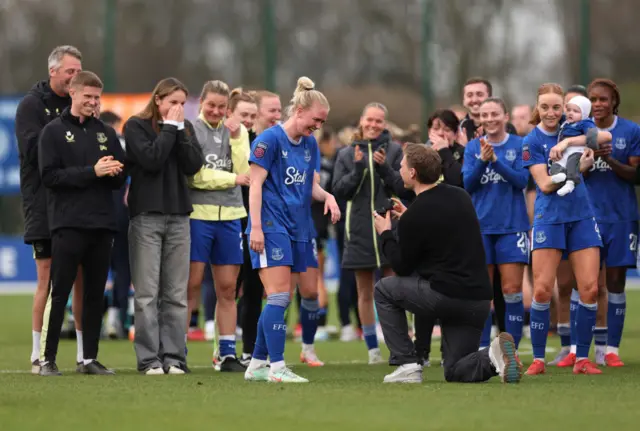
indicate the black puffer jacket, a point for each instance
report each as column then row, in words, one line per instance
column 39, row 107
column 366, row 186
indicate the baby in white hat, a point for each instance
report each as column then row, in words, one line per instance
column 577, row 123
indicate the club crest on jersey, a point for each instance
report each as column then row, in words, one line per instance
column 69, row 137
column 260, row 149
column 101, row 137
column 540, row 237
column 526, row 154
column 277, row 254
column 307, row 156
column 510, row 155
column 621, row 143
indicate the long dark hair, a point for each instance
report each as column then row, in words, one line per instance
column 164, row 88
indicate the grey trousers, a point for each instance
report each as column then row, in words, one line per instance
column 461, row 321
column 159, row 248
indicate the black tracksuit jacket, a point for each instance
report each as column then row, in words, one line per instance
column 67, row 153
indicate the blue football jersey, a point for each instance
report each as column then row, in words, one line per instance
column 578, row 128
column 286, row 192
column 614, row 199
column 552, row 208
column 497, row 188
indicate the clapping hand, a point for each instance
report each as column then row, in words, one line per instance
column 486, row 151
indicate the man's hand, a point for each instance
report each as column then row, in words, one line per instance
column 107, row 166
column 243, row 180
column 331, row 206
column 398, row 208
column 234, row 127
column 382, row 224
column 380, row 156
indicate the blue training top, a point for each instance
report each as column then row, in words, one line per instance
column 286, row 192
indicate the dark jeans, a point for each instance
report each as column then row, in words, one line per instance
column 461, row 321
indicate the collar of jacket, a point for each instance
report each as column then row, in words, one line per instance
column 384, row 137
column 68, row 116
column 201, row 117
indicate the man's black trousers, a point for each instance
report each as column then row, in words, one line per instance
column 71, row 247
column 461, row 321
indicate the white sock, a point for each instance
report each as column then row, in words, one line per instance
column 565, row 349
column 566, row 189
column 573, row 349
column 257, row 363
column 580, row 359
column 88, row 361
column 308, row 348
column 35, row 345
column 276, row 366
column 80, row 351
column 558, row 178
column 613, row 350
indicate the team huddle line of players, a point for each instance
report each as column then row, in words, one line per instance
column 187, row 209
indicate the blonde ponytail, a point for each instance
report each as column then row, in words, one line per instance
column 305, row 95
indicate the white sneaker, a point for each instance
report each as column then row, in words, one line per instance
column 503, row 356
column 407, row 373
column 375, row 357
column 321, row 334
column 175, row 370
column 308, row 356
column 285, row 375
column 257, row 371
column 154, row 372
column 348, row 334
column 35, row 366
column 210, row 330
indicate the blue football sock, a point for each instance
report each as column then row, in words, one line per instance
column 227, row 345
column 260, row 348
column 600, row 336
column 514, row 316
column 573, row 308
column 585, row 321
column 539, row 328
column 564, row 331
column 615, row 318
column 485, row 338
column 275, row 330
column 309, row 319
column 370, row 336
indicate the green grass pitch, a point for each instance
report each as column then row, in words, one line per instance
column 346, row 394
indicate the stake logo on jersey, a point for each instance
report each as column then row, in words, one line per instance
column 614, row 199
column 212, row 161
column 286, row 192
column 491, row 176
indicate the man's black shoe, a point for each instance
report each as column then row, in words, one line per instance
column 49, row 369
column 96, row 368
column 231, row 364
